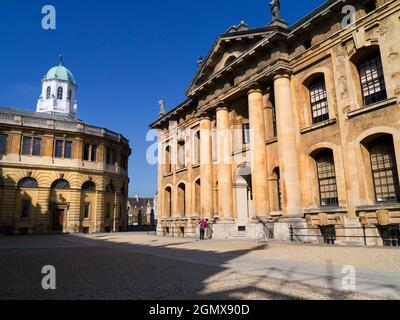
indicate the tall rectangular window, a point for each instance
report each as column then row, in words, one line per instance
column 26, row 204
column 110, row 156
column 31, row 146
column 68, row 150
column 86, row 151
column 319, row 100
column 87, row 211
column 274, row 125
column 3, row 144
column 90, row 152
column 63, row 149
column 372, row 79
column 246, row 133
column 26, row 146
column 58, row 149
column 384, row 170
column 37, row 142
column 327, row 178
column 94, row 153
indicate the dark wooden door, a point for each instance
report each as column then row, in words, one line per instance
column 58, row 220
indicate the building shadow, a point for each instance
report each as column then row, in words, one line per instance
column 103, row 269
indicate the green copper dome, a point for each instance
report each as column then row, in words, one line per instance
column 60, row 73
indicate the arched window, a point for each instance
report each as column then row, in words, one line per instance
column 69, row 95
column 60, row 93
column 181, row 154
column 110, row 188
column 168, row 164
column 48, row 93
column 89, row 186
column 384, row 169
column 182, row 199
column 327, row 178
column 28, row 183
column 168, row 202
column 372, row 77
column 60, row 184
column 318, row 100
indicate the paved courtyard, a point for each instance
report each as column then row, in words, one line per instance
column 141, row 266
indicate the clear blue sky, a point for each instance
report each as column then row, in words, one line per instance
column 124, row 54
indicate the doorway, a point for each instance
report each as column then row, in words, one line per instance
column 58, row 220
column 244, row 195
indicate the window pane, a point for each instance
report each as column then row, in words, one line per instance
column 58, row 149
column 3, row 144
column 108, row 155
column 246, row 133
column 327, row 179
column 60, row 92
column 372, row 79
column 36, row 146
column 384, row 170
column 86, row 150
column 112, row 157
column 94, row 153
column 319, row 100
column 68, row 150
column 26, row 145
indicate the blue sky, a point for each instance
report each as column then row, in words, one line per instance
column 124, row 55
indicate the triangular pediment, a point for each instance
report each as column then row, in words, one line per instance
column 227, row 48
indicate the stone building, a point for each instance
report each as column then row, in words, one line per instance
column 141, row 211
column 289, row 126
column 57, row 173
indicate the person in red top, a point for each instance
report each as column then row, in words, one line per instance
column 203, row 228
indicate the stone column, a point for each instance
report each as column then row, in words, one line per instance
column 161, row 166
column 258, row 154
column 287, row 147
column 225, row 185
column 206, row 168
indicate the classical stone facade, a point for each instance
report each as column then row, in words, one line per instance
column 57, row 173
column 289, row 126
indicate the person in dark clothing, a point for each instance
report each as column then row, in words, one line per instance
column 203, row 228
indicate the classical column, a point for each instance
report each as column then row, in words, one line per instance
column 287, row 147
column 258, row 154
column 225, row 185
column 206, row 168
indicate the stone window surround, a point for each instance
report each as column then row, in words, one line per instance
column 372, row 107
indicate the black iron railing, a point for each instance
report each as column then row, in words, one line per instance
column 390, row 235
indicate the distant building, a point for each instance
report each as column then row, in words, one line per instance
column 57, row 173
column 141, row 211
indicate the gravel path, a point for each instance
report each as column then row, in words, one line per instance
column 117, row 267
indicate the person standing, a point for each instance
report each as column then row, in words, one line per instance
column 203, row 228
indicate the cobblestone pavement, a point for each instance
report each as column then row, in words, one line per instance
column 141, row 266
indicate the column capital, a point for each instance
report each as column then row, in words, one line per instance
column 283, row 74
column 221, row 106
column 254, row 87
column 203, row 115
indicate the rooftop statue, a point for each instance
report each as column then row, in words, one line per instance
column 275, row 6
column 162, row 106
